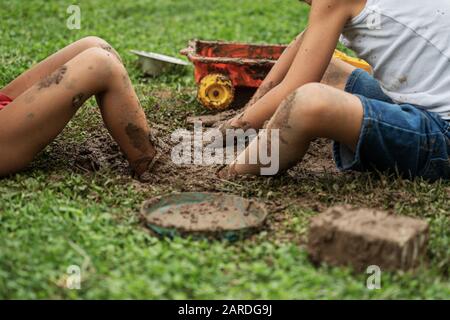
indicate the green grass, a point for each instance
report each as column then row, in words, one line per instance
column 52, row 216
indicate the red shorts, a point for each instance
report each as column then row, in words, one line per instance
column 4, row 101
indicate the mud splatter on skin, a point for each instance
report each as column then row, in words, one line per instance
column 110, row 49
column 54, row 78
column 334, row 76
column 240, row 125
column 138, row 137
column 106, row 47
column 78, row 100
column 284, row 112
column 235, row 123
column 283, row 115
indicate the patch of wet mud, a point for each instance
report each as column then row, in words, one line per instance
column 183, row 178
column 318, row 159
column 86, row 147
column 100, row 152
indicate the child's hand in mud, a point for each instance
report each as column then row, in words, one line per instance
column 212, row 120
column 228, row 127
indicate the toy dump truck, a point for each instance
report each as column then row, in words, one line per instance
column 220, row 67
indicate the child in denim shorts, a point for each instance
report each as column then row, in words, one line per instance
column 396, row 119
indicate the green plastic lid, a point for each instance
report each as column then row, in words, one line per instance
column 203, row 215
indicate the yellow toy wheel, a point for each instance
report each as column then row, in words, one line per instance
column 359, row 63
column 216, row 92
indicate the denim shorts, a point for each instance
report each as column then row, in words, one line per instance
column 398, row 138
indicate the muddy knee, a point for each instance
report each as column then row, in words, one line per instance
column 103, row 64
column 305, row 106
column 97, row 42
column 92, row 42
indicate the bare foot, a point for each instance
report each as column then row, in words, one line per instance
column 141, row 168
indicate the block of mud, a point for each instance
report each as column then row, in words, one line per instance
column 360, row 238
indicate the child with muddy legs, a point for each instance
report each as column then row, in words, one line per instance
column 396, row 120
column 35, row 107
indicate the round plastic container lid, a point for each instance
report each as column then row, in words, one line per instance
column 203, row 215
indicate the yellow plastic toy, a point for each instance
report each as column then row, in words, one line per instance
column 216, row 92
column 359, row 63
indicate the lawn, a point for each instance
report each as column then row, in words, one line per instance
column 58, row 213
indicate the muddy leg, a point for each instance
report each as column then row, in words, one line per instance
column 36, row 117
column 336, row 76
column 313, row 111
column 49, row 65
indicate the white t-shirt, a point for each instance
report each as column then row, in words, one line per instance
column 407, row 42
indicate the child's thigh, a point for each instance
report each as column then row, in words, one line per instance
column 26, row 129
column 22, row 136
column 37, row 116
column 401, row 139
column 30, row 123
column 13, row 158
column 16, row 149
